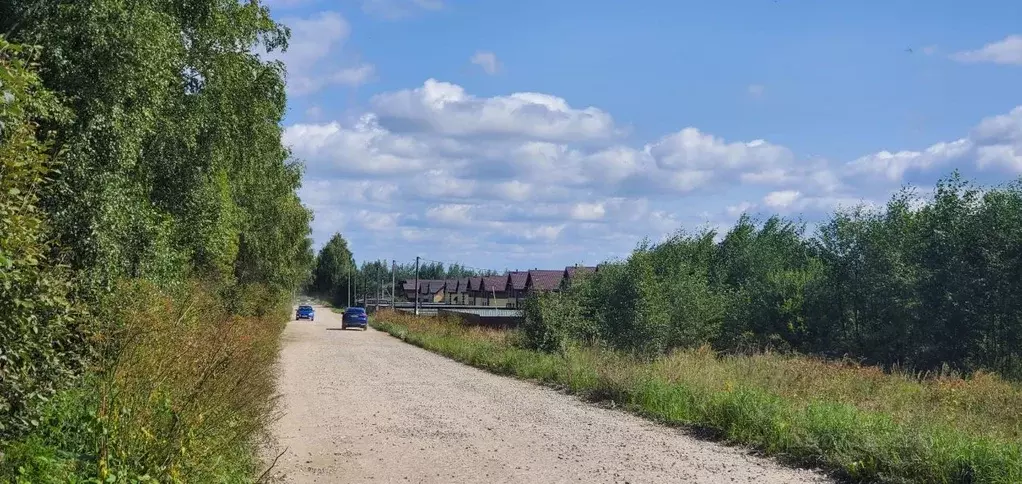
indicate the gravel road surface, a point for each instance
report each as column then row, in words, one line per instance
column 361, row 406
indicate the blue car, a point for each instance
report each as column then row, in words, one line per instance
column 305, row 312
column 355, row 317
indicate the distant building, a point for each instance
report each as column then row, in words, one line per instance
column 543, row 281
column 431, row 291
column 456, row 291
column 450, row 291
column 472, row 290
column 409, row 289
column 493, row 291
column 462, row 295
column 515, row 287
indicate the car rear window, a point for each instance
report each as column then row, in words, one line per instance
column 355, row 310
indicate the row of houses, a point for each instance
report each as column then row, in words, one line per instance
column 505, row 291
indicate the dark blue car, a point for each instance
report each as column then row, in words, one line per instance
column 355, row 318
column 305, row 312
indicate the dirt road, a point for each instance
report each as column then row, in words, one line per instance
column 365, row 407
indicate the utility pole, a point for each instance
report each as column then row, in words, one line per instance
column 393, row 283
column 379, row 285
column 349, row 286
column 416, row 285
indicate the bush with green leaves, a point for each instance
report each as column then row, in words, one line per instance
column 920, row 283
column 37, row 336
column 141, row 144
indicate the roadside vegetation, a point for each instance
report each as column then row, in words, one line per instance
column 151, row 239
column 336, row 278
column 886, row 345
column 860, row 423
column 926, row 283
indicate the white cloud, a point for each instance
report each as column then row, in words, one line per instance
column 313, row 113
column 513, row 190
column 692, row 149
column 1005, row 51
column 447, row 109
column 547, row 233
column 313, row 52
column 353, row 76
column 440, row 185
column 781, row 199
column 736, row 210
column 487, row 61
column 690, row 159
column 376, row 221
column 530, row 177
column 364, row 149
column 894, row 165
column 588, row 211
column 349, row 77
column 450, row 214
column 995, row 142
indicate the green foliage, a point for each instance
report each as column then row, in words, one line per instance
column 173, row 162
column 660, row 298
column 36, row 342
column 187, row 388
column 920, row 284
column 334, row 268
column 335, row 264
column 141, row 142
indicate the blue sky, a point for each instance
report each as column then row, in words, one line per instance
column 520, row 134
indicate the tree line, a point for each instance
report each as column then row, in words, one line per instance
column 923, row 285
column 337, row 278
column 139, row 141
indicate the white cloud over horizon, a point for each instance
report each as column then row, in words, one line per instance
column 1005, row 51
column 531, row 179
column 314, row 57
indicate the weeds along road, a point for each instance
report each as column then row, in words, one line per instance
column 361, row 406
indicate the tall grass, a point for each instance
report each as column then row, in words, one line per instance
column 182, row 394
column 859, row 422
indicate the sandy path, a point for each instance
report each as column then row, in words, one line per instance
column 365, row 407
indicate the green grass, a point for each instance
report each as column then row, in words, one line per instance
column 857, row 422
column 185, row 396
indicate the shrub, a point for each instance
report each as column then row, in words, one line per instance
column 39, row 347
column 919, row 284
column 183, row 392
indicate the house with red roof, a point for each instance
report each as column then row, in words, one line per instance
column 516, row 287
column 450, row 288
column 457, row 291
column 492, row 291
column 431, row 291
column 544, row 281
column 472, row 290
